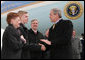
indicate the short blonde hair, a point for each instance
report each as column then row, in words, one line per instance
column 20, row 13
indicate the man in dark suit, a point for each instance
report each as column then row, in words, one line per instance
column 60, row 35
column 24, row 19
column 36, row 49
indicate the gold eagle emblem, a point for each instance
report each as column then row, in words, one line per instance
column 73, row 10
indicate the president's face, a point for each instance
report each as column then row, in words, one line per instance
column 53, row 16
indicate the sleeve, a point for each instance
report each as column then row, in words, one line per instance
column 34, row 47
column 21, row 30
column 46, row 45
column 14, row 40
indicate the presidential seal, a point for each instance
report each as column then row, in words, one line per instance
column 73, row 10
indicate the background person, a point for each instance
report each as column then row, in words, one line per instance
column 77, row 47
column 82, row 42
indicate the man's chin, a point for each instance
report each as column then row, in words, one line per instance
column 35, row 28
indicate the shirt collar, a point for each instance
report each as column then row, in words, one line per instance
column 35, row 31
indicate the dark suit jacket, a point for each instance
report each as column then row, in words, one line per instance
column 25, row 50
column 12, row 44
column 35, row 49
column 60, row 38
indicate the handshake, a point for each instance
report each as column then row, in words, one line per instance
column 42, row 42
column 43, row 48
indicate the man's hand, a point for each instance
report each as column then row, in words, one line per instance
column 23, row 39
column 46, row 41
column 43, row 48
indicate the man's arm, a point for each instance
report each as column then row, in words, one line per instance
column 65, row 36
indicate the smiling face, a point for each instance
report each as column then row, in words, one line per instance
column 34, row 25
column 53, row 17
column 16, row 22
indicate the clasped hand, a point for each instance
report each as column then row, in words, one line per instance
column 46, row 41
column 23, row 39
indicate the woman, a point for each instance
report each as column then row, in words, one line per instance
column 12, row 43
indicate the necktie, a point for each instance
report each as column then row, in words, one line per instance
column 53, row 26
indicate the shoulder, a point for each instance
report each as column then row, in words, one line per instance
column 40, row 33
column 67, row 22
column 41, row 36
column 30, row 31
column 10, row 29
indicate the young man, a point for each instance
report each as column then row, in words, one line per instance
column 24, row 19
